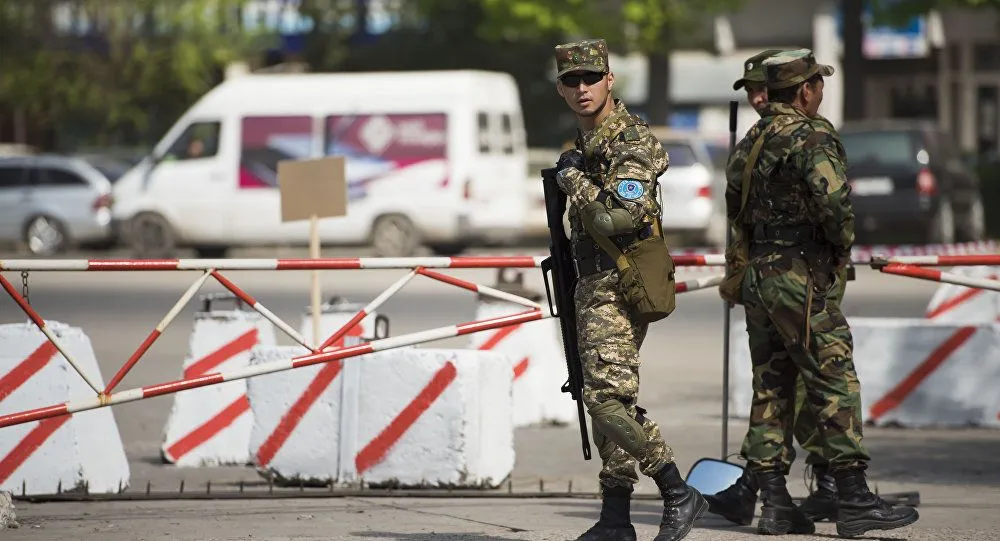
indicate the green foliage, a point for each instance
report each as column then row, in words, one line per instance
column 147, row 61
column 633, row 25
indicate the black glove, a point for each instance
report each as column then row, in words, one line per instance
column 571, row 158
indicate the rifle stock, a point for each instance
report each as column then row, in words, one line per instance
column 560, row 264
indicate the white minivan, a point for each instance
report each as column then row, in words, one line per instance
column 435, row 158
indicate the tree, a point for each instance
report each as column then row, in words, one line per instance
column 650, row 27
column 116, row 70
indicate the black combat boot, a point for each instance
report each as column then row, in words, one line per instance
column 858, row 510
column 822, row 502
column 682, row 504
column 615, row 523
column 778, row 513
column 736, row 503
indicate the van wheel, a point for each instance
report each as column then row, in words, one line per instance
column 394, row 235
column 45, row 235
column 151, row 237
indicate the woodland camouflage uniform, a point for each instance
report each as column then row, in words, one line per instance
column 622, row 160
column 736, row 502
column 800, row 223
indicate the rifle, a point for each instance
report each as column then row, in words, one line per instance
column 560, row 264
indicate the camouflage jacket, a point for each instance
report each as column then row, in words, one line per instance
column 799, row 177
column 624, row 160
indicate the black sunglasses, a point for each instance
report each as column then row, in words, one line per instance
column 573, row 81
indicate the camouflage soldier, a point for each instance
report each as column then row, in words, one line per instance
column 736, row 503
column 610, row 178
column 800, row 224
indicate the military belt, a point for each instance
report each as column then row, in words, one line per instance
column 798, row 234
column 591, row 259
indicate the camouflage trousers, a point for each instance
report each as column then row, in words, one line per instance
column 609, row 343
column 805, row 426
column 795, row 329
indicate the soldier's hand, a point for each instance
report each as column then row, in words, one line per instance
column 571, row 158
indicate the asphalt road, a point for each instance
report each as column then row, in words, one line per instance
column 956, row 471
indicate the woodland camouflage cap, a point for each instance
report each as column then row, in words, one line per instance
column 586, row 55
column 753, row 70
column 789, row 68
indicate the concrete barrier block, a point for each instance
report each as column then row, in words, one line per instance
column 211, row 426
column 8, row 518
column 296, row 418
column 913, row 372
column 435, row 417
column 69, row 451
column 539, row 364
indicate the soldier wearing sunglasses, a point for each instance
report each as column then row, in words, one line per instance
column 610, row 179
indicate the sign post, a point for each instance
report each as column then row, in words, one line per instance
column 313, row 189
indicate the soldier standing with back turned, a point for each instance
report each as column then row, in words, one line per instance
column 610, row 180
column 798, row 218
column 736, row 503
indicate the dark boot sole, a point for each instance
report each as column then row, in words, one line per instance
column 854, row 529
column 782, row 527
column 742, row 520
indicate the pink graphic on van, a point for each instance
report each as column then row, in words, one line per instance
column 266, row 140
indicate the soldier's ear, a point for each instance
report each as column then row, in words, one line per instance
column 611, row 80
column 559, row 89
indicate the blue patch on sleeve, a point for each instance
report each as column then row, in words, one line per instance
column 630, row 189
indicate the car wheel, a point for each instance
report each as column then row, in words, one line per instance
column 152, row 237
column 973, row 222
column 211, row 252
column 942, row 229
column 394, row 235
column 45, row 235
column 448, row 248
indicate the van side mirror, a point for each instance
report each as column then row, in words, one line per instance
column 709, row 475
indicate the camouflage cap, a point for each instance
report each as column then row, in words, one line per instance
column 753, row 71
column 790, row 68
column 586, row 55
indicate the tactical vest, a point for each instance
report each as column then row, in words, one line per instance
column 596, row 149
column 779, row 196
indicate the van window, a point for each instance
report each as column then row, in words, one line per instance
column 887, row 148
column 508, row 134
column 199, row 140
column 484, row 133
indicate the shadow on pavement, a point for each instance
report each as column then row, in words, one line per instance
column 940, row 457
column 433, row 536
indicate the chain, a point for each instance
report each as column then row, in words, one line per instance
column 24, row 286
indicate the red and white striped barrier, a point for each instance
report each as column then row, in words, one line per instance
column 960, row 304
column 211, row 426
column 913, row 372
column 66, row 451
column 411, row 417
column 935, row 275
column 538, row 364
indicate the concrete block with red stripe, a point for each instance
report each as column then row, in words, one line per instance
column 68, row 451
column 211, row 425
column 539, row 365
column 960, row 304
column 412, row 417
column 913, row 372
column 314, row 402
